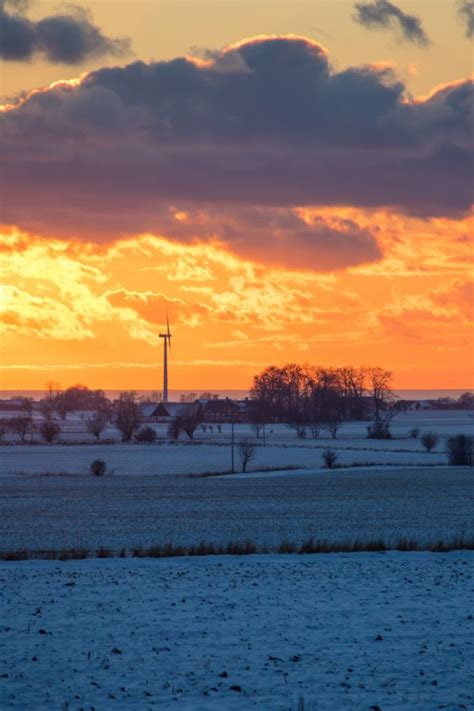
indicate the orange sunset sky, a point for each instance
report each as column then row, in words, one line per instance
column 291, row 180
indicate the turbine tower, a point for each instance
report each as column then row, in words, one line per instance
column 166, row 342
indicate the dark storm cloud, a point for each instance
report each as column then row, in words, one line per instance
column 381, row 13
column 69, row 38
column 264, row 125
column 466, row 13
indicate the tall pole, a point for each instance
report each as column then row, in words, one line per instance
column 165, row 369
column 166, row 342
column 232, row 443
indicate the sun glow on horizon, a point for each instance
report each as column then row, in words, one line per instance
column 410, row 311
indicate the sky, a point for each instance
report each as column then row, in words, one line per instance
column 292, row 181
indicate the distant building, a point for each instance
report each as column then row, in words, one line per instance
column 215, row 410
column 219, row 410
column 15, row 404
column 167, row 411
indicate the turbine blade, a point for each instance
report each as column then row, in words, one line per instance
column 168, row 328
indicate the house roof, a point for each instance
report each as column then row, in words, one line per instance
column 147, row 409
column 218, row 405
column 176, row 409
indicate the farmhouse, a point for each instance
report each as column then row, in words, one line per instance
column 219, row 410
column 167, row 411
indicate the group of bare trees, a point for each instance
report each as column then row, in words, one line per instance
column 22, row 423
column 311, row 398
column 98, row 413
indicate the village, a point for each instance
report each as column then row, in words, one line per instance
column 78, row 410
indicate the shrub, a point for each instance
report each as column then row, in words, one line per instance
column 429, row 440
column 379, row 430
column 49, row 431
column 98, row 467
column 146, row 435
column 414, row 432
column 330, row 458
column 174, row 428
column 460, row 450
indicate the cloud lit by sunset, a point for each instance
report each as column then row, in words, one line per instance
column 281, row 204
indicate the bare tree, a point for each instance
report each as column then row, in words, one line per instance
column 333, row 426
column 127, row 415
column 380, row 381
column 315, row 429
column 4, row 428
column 258, row 419
column 352, row 386
column 47, row 404
column 330, row 458
column 247, row 452
column 188, row 397
column 62, row 404
column 47, row 407
column 23, row 426
column 300, row 429
column 26, row 406
column 188, row 420
column 257, row 427
column 155, row 396
column 384, row 405
column 97, row 423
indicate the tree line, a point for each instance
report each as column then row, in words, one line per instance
column 99, row 412
column 310, row 398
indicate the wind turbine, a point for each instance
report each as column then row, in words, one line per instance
column 166, row 342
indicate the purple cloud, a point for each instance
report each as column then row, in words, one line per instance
column 69, row 38
column 264, row 125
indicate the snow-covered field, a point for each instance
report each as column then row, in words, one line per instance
column 210, row 452
column 360, row 631
column 388, row 502
column 194, row 458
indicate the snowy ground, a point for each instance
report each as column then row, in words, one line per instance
column 360, row 631
column 139, row 634
column 67, row 511
column 211, row 450
column 187, row 458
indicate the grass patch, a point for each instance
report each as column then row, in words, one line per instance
column 310, row 546
column 287, row 547
column 75, row 554
column 356, row 546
